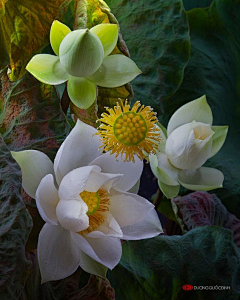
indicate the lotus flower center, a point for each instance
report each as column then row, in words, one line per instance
column 92, row 200
column 130, row 128
column 202, row 132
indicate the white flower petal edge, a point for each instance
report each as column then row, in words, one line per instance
column 100, row 249
column 47, row 199
column 197, row 110
column 128, row 209
column 58, row 256
column 202, row 179
column 78, row 149
column 145, row 229
column 131, row 171
column 34, row 166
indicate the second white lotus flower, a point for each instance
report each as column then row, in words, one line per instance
column 189, row 141
column 85, row 201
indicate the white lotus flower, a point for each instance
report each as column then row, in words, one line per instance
column 83, row 198
column 189, row 141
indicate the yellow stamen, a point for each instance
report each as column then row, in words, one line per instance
column 97, row 204
column 129, row 131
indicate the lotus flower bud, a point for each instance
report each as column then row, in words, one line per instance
column 189, row 146
column 81, row 53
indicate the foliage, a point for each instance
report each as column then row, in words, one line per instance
column 157, row 36
column 213, row 69
column 158, row 268
column 15, row 226
column 201, row 209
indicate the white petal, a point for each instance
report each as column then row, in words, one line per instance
column 108, row 228
column 184, row 150
column 91, row 266
column 202, row 179
column 148, row 228
column 72, row 214
column 131, row 171
column 34, row 165
column 74, row 182
column 99, row 180
column 197, row 110
column 47, row 199
column 163, row 169
column 107, row 251
column 58, row 256
column 128, row 209
column 78, row 149
column 135, row 188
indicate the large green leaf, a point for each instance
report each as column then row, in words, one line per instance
column 30, row 115
column 157, row 35
column 214, row 70
column 31, row 118
column 158, row 268
column 24, row 30
column 15, row 226
column 190, row 4
column 200, row 209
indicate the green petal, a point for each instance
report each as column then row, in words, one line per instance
column 108, row 35
column 202, row 179
column 81, row 91
column 34, row 166
column 116, row 70
column 91, row 266
column 81, row 53
column 47, row 69
column 57, row 34
column 163, row 169
column 197, row 110
column 169, row 191
column 218, row 138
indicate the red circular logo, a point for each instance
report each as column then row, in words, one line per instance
column 187, row 287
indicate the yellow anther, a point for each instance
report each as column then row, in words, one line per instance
column 92, row 200
column 139, row 133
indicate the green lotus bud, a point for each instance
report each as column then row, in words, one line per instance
column 81, row 53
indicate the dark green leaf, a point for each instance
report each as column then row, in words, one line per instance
column 201, row 208
column 214, row 70
column 190, row 4
column 15, row 226
column 25, row 27
column 157, row 35
column 158, row 268
column 80, row 285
